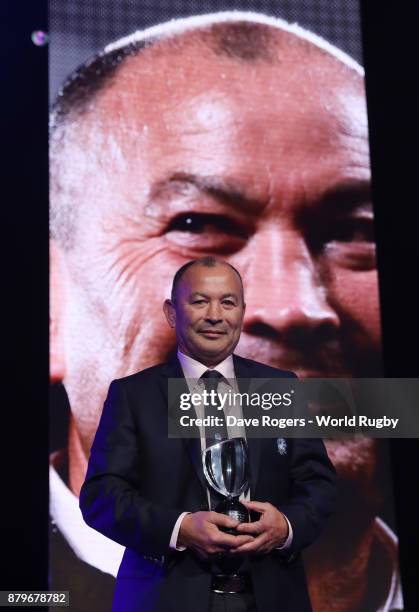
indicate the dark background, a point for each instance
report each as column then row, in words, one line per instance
column 390, row 58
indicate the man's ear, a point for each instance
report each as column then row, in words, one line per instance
column 56, row 310
column 170, row 312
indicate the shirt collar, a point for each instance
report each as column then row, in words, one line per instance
column 193, row 369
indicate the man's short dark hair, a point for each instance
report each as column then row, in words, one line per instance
column 207, row 262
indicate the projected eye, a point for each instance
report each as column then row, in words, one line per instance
column 206, row 232
column 349, row 242
column 344, row 241
column 353, row 230
column 199, row 223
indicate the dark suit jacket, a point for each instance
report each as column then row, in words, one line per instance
column 139, row 481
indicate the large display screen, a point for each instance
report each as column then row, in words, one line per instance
column 190, row 130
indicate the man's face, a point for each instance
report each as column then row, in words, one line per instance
column 264, row 165
column 207, row 313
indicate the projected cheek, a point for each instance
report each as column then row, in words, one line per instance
column 122, row 283
column 348, row 256
column 355, row 297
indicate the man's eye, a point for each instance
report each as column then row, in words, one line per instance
column 198, row 302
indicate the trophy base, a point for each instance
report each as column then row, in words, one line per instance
column 236, row 510
column 230, row 584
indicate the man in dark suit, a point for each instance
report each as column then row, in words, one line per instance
column 146, row 491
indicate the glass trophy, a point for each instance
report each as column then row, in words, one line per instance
column 226, row 471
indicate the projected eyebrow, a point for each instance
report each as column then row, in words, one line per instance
column 345, row 196
column 222, row 190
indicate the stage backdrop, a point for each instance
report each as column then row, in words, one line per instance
column 248, row 150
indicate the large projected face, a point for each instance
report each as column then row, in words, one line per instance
column 260, row 160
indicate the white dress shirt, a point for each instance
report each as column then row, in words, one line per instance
column 88, row 545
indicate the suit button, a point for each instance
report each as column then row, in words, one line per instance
column 204, row 506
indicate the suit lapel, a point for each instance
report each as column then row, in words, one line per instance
column 243, row 374
column 173, row 369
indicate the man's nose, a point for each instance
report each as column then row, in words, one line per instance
column 214, row 312
column 285, row 295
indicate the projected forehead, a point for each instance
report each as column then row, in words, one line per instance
column 250, row 44
column 244, row 36
column 227, row 91
column 294, row 101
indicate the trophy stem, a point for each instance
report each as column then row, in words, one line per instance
column 231, row 506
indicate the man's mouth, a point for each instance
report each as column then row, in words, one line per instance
column 211, row 333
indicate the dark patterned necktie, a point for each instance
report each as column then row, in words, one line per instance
column 214, row 433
